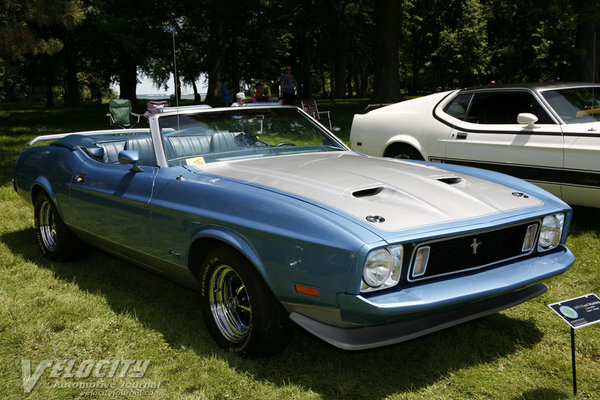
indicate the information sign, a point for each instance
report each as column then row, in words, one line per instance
column 579, row 311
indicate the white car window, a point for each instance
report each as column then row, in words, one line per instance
column 458, row 106
column 496, row 108
column 577, row 105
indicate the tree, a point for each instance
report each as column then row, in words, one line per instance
column 130, row 37
column 42, row 30
column 461, row 57
column 529, row 40
column 586, row 52
column 387, row 80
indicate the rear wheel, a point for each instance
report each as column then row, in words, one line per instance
column 54, row 238
column 403, row 151
column 239, row 309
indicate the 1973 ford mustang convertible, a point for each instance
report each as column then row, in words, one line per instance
column 273, row 219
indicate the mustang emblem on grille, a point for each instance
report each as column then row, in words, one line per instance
column 475, row 245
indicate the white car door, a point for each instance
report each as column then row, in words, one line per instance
column 582, row 164
column 488, row 136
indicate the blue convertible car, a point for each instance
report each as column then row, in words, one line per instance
column 273, row 219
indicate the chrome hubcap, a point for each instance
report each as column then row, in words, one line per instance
column 47, row 226
column 229, row 303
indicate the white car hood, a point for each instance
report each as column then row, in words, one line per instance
column 405, row 194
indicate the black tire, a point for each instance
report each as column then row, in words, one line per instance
column 54, row 238
column 239, row 309
column 404, row 152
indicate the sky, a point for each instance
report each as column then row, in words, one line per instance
column 146, row 86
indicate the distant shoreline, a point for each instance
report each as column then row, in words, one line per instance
column 165, row 96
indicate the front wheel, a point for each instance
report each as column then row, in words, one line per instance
column 239, row 309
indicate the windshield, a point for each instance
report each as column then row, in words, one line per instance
column 575, row 105
column 241, row 133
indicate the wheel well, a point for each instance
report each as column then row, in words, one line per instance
column 200, row 249
column 35, row 190
column 395, row 149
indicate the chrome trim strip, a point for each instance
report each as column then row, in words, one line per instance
column 89, row 133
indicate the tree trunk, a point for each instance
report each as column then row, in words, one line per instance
column 127, row 76
column 364, row 82
column 49, row 83
column 306, row 68
column 341, row 58
column 215, row 69
column 197, row 98
column 72, row 97
column 49, row 94
column 387, row 79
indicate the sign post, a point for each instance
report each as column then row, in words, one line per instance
column 577, row 312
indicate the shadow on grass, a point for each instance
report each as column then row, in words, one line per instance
column 543, row 394
column 308, row 362
column 585, row 220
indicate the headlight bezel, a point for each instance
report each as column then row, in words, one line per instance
column 393, row 256
column 551, row 232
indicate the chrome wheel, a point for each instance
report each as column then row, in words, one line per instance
column 47, row 226
column 53, row 237
column 229, row 303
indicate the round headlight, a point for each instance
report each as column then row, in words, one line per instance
column 378, row 267
column 550, row 232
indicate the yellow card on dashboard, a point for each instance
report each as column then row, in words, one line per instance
column 195, row 161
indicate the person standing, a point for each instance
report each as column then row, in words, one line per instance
column 288, row 86
column 226, row 97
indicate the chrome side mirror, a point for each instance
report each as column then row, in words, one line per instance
column 527, row 119
column 130, row 157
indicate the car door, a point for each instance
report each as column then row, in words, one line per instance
column 488, row 136
column 110, row 202
column 581, row 180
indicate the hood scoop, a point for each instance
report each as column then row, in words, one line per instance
column 451, row 180
column 374, row 191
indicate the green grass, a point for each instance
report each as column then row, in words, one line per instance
column 101, row 308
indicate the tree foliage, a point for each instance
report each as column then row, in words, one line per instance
column 338, row 48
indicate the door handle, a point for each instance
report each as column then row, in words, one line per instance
column 80, row 178
column 461, row 135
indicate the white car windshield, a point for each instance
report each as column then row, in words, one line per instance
column 236, row 133
column 575, row 105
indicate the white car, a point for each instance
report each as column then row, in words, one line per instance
column 548, row 134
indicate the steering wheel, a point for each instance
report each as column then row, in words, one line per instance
column 285, row 144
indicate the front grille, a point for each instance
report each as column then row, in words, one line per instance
column 472, row 251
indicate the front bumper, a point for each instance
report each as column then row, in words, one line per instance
column 383, row 335
column 397, row 316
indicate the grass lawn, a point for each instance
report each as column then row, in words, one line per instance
column 101, row 308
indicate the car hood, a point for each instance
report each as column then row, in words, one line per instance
column 399, row 194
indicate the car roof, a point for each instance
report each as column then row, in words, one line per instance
column 531, row 86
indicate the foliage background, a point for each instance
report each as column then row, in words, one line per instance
column 71, row 50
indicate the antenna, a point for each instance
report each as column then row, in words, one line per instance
column 593, row 82
column 176, row 79
column 594, row 60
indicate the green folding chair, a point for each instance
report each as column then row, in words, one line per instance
column 120, row 114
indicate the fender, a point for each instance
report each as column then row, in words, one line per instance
column 42, row 183
column 233, row 239
column 404, row 139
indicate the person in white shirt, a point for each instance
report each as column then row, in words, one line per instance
column 240, row 100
